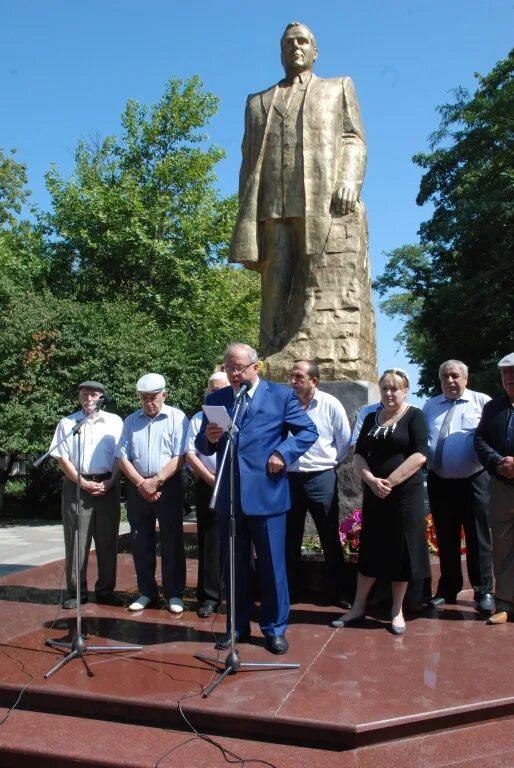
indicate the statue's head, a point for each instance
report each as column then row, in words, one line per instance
column 298, row 49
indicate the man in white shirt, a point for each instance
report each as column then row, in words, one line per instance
column 208, row 586
column 313, row 479
column 99, row 503
column 458, row 487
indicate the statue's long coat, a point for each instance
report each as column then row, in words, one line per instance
column 333, row 151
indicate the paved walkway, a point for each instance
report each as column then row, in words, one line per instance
column 25, row 544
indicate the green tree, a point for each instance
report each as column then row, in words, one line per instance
column 456, row 290
column 13, row 187
column 21, row 248
column 141, row 216
column 22, row 267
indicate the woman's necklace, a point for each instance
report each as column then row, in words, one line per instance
column 379, row 431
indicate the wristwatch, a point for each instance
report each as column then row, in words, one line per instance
column 160, row 481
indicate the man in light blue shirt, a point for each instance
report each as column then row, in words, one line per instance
column 151, row 452
column 458, row 487
column 361, row 415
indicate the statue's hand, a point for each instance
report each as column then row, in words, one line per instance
column 345, row 198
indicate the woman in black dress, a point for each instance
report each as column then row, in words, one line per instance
column 389, row 455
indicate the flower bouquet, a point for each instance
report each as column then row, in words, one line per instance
column 349, row 535
column 431, row 537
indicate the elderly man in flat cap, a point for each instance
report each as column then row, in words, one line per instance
column 494, row 444
column 99, row 502
column 151, row 454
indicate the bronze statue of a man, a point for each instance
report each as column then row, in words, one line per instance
column 302, row 170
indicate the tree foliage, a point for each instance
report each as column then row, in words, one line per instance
column 21, row 262
column 141, row 217
column 456, row 289
column 13, row 187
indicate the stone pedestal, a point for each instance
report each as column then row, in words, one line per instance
column 334, row 323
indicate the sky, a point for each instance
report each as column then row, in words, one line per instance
column 68, row 67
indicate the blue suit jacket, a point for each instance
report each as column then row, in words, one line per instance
column 274, row 421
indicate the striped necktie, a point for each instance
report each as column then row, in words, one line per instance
column 242, row 410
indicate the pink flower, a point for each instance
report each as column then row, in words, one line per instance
column 349, row 531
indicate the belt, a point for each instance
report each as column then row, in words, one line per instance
column 98, row 478
column 468, row 477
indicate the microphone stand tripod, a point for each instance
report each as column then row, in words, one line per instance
column 78, row 646
column 232, row 662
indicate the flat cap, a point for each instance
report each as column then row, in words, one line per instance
column 151, row 382
column 507, row 361
column 92, row 385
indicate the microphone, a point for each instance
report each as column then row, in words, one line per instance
column 244, row 386
column 100, row 402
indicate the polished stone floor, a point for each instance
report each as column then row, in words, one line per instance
column 440, row 695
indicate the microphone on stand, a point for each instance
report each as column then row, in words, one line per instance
column 101, row 401
column 244, row 386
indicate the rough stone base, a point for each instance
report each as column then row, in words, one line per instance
column 336, row 322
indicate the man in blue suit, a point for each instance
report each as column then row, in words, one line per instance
column 274, row 431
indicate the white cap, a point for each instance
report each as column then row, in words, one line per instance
column 218, row 376
column 507, row 361
column 151, row 382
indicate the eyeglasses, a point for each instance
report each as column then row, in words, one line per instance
column 237, row 368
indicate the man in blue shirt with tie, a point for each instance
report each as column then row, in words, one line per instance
column 458, row 487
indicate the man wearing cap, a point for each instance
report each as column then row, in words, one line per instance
column 208, row 587
column 150, row 454
column 99, row 503
column 494, row 443
column 458, row 487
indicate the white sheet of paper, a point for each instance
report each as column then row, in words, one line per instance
column 218, row 414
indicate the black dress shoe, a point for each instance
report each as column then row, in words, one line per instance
column 206, row 609
column 276, row 644
column 109, row 598
column 438, row 601
column 486, row 603
column 224, row 642
column 71, row 602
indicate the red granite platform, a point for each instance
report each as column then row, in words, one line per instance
column 440, row 695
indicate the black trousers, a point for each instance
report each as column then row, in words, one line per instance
column 143, row 515
column 208, row 588
column 457, row 503
column 315, row 492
